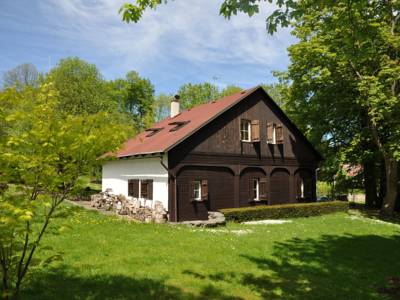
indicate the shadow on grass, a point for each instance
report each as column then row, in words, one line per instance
column 358, row 209
column 331, row 267
column 63, row 284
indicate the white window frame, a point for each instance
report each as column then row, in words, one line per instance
column 302, row 189
column 197, row 189
column 243, row 129
column 256, row 188
column 274, row 134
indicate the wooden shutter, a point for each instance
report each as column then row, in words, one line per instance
column 204, row 190
column 143, row 189
column 262, row 188
column 279, row 134
column 270, row 132
column 255, row 130
column 150, row 189
column 133, row 188
column 251, row 190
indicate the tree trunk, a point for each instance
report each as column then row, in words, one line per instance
column 371, row 198
column 389, row 201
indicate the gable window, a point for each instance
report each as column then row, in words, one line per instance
column 274, row 133
column 245, row 131
column 197, row 190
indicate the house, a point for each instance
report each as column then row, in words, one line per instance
column 241, row 150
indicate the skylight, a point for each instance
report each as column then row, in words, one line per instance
column 178, row 125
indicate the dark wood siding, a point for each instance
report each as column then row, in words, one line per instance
column 280, row 187
column 246, row 178
column 220, row 193
column 215, row 153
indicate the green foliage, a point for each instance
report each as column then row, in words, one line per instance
column 134, row 95
column 323, row 189
column 81, row 87
column 162, row 106
column 195, row 94
column 44, row 152
column 108, row 258
column 283, row 211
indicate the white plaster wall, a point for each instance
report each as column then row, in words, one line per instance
column 115, row 175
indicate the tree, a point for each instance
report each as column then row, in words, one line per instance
column 21, row 76
column 81, row 87
column 229, row 90
column 162, row 106
column 44, row 153
column 195, row 94
column 360, row 41
column 135, row 96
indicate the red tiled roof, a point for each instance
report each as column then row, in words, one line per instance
column 165, row 139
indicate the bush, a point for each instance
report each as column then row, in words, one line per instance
column 283, row 211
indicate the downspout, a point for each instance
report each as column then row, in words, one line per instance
column 175, row 197
column 316, row 182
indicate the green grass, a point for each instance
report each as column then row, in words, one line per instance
column 326, row 257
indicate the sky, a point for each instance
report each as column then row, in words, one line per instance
column 181, row 42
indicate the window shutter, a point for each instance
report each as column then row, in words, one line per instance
column 150, row 189
column 204, row 190
column 143, row 189
column 279, row 134
column 263, row 188
column 133, row 188
column 255, row 130
column 270, row 132
column 251, row 190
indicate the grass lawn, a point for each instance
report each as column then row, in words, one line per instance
column 329, row 257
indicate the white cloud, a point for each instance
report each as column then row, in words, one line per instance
column 175, row 37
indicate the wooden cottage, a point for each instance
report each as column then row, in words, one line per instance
column 241, row 150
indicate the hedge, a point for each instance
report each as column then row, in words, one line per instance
column 283, row 211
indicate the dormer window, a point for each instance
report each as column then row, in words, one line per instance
column 153, row 131
column 178, row 125
column 245, row 131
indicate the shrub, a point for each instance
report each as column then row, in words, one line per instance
column 283, row 211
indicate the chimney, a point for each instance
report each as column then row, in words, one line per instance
column 175, row 106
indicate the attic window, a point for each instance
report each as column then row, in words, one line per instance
column 178, row 125
column 153, row 131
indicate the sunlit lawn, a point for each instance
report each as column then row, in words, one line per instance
column 329, row 257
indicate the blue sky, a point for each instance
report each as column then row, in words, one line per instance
column 184, row 41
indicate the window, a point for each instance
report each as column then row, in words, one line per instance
column 140, row 188
column 144, row 186
column 256, row 189
column 274, row 133
column 178, row 125
column 197, row 191
column 245, row 129
column 153, row 131
column 302, row 189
